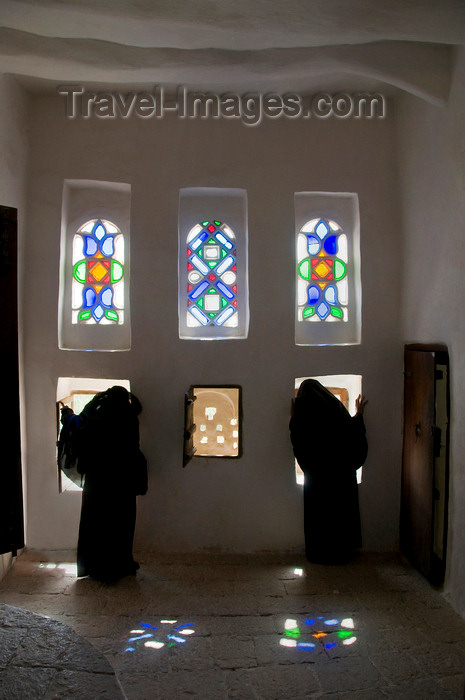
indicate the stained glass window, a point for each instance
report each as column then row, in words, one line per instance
column 211, row 275
column 98, row 274
column 328, row 273
column 322, row 257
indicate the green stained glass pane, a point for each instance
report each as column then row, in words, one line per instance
column 204, row 223
column 212, row 264
column 211, row 241
column 211, row 314
column 218, row 223
column 200, row 302
column 339, row 269
column 117, row 271
column 223, row 302
column 111, row 315
column 212, row 291
column 79, row 271
column 84, row 316
column 336, row 312
column 200, row 253
column 309, row 311
column 223, row 253
column 304, row 269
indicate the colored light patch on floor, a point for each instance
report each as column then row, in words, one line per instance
column 166, row 633
column 312, row 633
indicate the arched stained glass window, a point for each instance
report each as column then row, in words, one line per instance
column 322, row 288
column 328, row 283
column 211, row 275
column 213, row 299
column 93, row 304
column 98, row 273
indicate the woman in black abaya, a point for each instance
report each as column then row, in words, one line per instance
column 115, row 471
column 329, row 445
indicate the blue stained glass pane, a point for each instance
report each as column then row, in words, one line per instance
column 224, row 315
column 322, row 310
column 199, row 240
column 90, row 246
column 199, row 290
column 200, row 265
column 98, row 312
column 224, row 265
column 99, row 231
column 106, row 297
column 330, row 245
column 314, row 245
column 313, row 295
column 331, row 295
column 225, row 290
column 310, row 621
column 225, row 241
column 199, row 315
column 107, row 247
column 90, row 298
column 321, row 229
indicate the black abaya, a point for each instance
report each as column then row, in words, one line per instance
column 114, row 472
column 329, row 446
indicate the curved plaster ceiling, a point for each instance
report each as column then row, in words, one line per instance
column 218, row 45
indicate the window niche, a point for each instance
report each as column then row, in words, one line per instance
column 213, row 295
column 94, row 312
column 76, row 392
column 328, row 286
column 212, row 422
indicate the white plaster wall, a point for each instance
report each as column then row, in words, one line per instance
column 253, row 503
column 432, row 148
column 14, row 152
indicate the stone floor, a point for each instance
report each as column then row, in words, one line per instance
column 256, row 627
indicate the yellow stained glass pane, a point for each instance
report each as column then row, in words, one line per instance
column 99, row 271
column 322, row 269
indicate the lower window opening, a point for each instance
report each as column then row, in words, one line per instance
column 212, row 422
column 76, row 392
column 346, row 387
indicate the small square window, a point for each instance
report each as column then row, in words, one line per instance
column 205, row 437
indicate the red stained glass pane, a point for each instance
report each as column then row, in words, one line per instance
column 211, row 228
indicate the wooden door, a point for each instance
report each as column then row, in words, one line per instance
column 11, row 500
column 423, row 526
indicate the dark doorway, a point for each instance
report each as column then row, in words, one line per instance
column 11, row 500
column 425, row 468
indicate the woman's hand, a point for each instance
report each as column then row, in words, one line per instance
column 360, row 403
